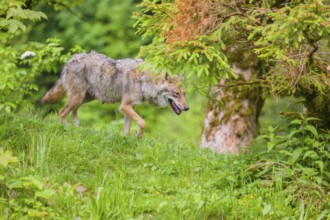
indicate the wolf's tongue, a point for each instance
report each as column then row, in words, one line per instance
column 174, row 107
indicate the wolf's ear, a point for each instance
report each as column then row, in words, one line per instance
column 167, row 77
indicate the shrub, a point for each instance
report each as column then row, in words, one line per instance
column 296, row 162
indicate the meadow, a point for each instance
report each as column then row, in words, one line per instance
column 54, row 171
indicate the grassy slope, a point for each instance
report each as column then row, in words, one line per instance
column 100, row 174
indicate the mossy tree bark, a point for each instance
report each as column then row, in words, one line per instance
column 231, row 117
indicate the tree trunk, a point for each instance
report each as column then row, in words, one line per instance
column 231, row 118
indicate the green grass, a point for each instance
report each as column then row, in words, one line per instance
column 65, row 172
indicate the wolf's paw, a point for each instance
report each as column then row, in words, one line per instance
column 139, row 134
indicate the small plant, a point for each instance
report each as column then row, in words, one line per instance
column 296, row 163
column 21, row 195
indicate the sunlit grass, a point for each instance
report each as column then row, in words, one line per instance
column 100, row 174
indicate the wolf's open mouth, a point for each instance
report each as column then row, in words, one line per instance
column 175, row 108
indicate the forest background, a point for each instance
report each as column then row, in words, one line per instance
column 107, row 27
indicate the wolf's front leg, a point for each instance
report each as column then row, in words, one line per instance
column 129, row 111
column 127, row 124
column 75, row 118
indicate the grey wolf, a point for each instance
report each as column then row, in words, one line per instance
column 86, row 77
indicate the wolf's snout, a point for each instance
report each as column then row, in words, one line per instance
column 185, row 108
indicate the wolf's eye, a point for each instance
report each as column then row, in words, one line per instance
column 177, row 94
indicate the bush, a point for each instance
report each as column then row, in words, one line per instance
column 295, row 160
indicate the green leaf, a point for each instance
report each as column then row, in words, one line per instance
column 262, row 172
column 271, row 129
column 286, row 172
column 302, row 211
column 322, row 215
column 266, row 209
column 312, row 129
column 46, row 194
column 15, row 184
column 318, row 179
column 13, row 25
column 270, row 146
column 296, row 154
column 293, row 133
column 231, row 179
column 288, row 200
column 35, row 15
column 200, row 205
column 3, row 23
column 312, row 119
column 320, row 165
column 162, row 204
column 296, row 122
column 32, row 181
column 6, row 158
column 36, row 213
column 311, row 154
column 12, row 12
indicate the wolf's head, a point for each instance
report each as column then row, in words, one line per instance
column 173, row 94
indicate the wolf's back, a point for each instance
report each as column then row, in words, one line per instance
column 105, row 78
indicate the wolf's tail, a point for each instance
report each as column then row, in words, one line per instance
column 55, row 94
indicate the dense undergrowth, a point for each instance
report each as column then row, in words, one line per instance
column 54, row 171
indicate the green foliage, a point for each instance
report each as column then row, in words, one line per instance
column 64, row 4
column 295, row 162
column 21, row 195
column 298, row 58
column 104, row 26
column 14, row 81
column 21, row 63
column 12, row 16
column 202, row 57
column 307, row 22
column 25, row 196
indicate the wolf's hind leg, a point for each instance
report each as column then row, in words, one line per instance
column 129, row 111
column 72, row 106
